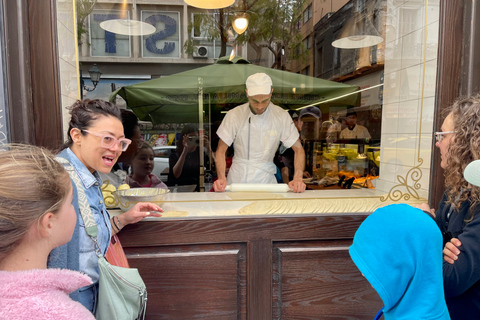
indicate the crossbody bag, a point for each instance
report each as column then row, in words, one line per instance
column 122, row 294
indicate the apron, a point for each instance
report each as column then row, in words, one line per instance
column 255, row 145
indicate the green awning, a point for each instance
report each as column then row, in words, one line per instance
column 176, row 98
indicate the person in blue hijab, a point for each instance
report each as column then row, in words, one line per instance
column 398, row 249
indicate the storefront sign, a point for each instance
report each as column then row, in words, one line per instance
column 165, row 42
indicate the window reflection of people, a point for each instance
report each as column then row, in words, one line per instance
column 353, row 130
column 287, row 156
column 309, row 122
column 184, row 163
column 256, row 129
column 142, row 165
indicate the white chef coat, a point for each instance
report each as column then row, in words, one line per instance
column 255, row 140
column 358, row 132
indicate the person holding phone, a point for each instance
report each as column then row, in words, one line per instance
column 184, row 163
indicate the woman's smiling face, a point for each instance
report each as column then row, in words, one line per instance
column 87, row 147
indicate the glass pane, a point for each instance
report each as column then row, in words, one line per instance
column 371, row 131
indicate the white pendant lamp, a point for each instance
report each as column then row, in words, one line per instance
column 358, row 32
column 210, row 4
column 128, row 27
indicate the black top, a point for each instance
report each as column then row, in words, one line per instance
column 462, row 279
column 191, row 169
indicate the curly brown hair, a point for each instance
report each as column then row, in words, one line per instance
column 464, row 148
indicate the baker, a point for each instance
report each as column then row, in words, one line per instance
column 256, row 129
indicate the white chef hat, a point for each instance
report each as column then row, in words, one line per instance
column 258, row 83
column 472, row 173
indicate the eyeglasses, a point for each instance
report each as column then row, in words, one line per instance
column 107, row 140
column 440, row 135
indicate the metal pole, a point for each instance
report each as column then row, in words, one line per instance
column 201, row 134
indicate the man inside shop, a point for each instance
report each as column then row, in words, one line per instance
column 255, row 129
column 353, row 130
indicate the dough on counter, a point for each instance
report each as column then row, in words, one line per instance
column 173, row 214
column 282, row 207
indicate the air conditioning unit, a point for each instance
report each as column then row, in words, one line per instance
column 200, row 52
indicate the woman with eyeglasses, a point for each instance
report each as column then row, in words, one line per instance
column 95, row 142
column 458, row 214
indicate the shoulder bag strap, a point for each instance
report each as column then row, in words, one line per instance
column 85, row 211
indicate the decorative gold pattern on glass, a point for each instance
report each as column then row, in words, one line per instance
column 415, row 174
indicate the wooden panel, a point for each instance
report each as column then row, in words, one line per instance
column 259, row 279
column 194, row 281
column 45, row 83
column 449, row 81
column 18, row 74
column 318, row 280
column 33, row 93
column 239, row 229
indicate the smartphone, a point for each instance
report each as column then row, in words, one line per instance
column 193, row 141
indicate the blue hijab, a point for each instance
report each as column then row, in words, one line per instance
column 398, row 249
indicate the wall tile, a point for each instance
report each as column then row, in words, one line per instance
column 391, row 87
column 410, row 83
column 406, row 150
column 430, row 78
column 412, row 16
column 408, row 117
column 388, row 148
column 427, row 114
column 426, row 147
column 390, row 118
column 412, row 51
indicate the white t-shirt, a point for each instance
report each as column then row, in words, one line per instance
column 358, row 132
column 256, row 139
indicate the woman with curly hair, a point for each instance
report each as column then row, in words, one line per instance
column 458, row 214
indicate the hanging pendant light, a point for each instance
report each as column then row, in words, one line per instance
column 128, row 27
column 240, row 22
column 209, row 4
column 358, row 32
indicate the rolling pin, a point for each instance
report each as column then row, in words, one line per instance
column 258, row 187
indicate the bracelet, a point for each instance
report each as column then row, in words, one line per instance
column 115, row 224
column 118, row 220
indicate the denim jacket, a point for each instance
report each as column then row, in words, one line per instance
column 79, row 253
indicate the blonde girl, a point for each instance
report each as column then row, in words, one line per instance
column 36, row 215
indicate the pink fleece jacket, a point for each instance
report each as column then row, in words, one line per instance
column 42, row 294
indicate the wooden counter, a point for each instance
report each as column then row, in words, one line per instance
column 251, row 267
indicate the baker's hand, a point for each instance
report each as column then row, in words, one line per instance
column 426, row 207
column 219, row 184
column 451, row 252
column 297, row 185
column 140, row 211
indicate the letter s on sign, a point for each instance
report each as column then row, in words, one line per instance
column 170, row 29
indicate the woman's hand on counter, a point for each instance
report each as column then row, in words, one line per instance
column 140, row 211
